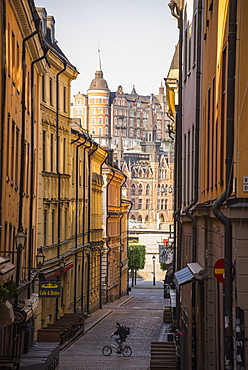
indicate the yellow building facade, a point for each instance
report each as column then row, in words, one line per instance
column 23, row 62
column 212, row 233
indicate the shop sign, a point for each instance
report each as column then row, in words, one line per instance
column 19, row 317
column 165, row 254
column 49, row 289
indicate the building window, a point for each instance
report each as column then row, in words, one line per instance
column 140, row 204
column 93, row 120
column 43, row 88
column 133, row 202
column 53, row 227
column 64, row 98
column 131, row 132
column 100, row 120
column 52, row 153
column 93, row 130
column 147, row 203
column 106, row 130
column 100, row 101
column 140, row 189
column 45, row 228
column 51, row 91
column 79, row 102
column 44, row 150
column 132, row 189
column 147, row 189
column 100, row 131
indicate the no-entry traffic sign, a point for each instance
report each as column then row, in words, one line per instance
column 219, row 270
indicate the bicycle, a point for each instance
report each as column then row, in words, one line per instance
column 125, row 350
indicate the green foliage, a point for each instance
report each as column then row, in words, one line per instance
column 137, row 256
column 8, row 291
column 163, row 266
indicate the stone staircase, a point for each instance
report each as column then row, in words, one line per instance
column 163, row 356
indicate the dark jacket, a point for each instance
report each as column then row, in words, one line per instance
column 121, row 332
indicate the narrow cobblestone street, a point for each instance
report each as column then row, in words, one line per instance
column 142, row 311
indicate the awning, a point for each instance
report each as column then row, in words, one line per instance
column 182, row 277
column 7, row 269
column 54, row 272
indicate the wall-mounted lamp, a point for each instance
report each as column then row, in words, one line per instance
column 62, row 264
column 40, row 258
column 20, row 244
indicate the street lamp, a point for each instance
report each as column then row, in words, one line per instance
column 20, row 244
column 154, row 277
column 40, row 258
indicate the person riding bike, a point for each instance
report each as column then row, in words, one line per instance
column 120, row 331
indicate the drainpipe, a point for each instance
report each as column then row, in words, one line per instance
column 196, row 175
column 129, row 210
column 83, row 231
column 101, row 254
column 121, row 243
column 178, row 160
column 89, row 228
column 228, row 289
column 3, row 100
column 57, row 147
column 22, row 165
column 76, row 225
column 107, row 229
column 32, row 169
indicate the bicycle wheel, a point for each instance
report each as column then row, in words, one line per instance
column 106, row 351
column 127, row 351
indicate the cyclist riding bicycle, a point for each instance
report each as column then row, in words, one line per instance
column 120, row 331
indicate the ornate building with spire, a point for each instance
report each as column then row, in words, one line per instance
column 136, row 128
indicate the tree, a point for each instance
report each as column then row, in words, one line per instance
column 137, row 259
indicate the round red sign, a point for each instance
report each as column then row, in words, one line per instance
column 219, row 270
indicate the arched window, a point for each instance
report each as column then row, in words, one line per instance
column 132, row 217
column 140, row 204
column 158, row 190
column 147, row 203
column 140, row 189
column 106, row 130
column 133, row 173
column 132, row 189
column 131, row 132
column 100, row 120
column 133, row 201
column 100, row 131
column 93, row 130
column 93, row 120
column 139, row 219
column 147, row 189
column 147, row 219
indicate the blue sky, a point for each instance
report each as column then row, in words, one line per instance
column 137, row 40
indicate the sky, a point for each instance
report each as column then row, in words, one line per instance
column 136, row 39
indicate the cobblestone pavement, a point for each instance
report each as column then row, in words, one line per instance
column 142, row 311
